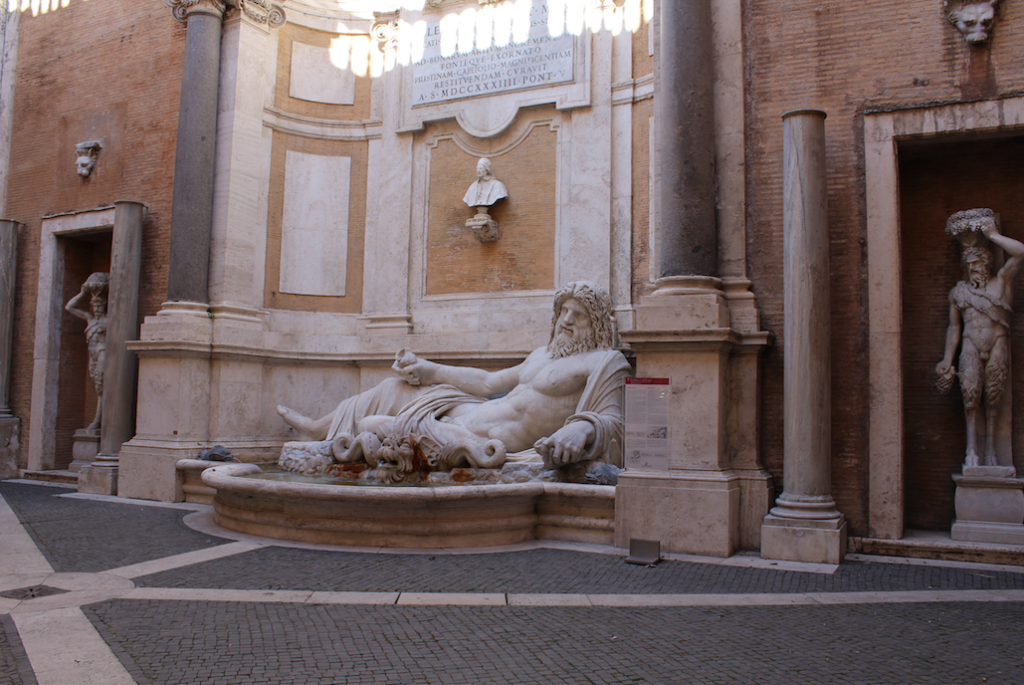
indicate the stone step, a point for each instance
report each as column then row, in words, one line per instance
column 55, row 476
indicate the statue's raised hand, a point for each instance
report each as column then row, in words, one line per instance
column 567, row 445
column 412, row 369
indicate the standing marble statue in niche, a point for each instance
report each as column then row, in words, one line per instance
column 979, row 324
column 564, row 401
column 95, row 317
column 485, row 191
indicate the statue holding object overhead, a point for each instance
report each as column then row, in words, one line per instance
column 564, row 401
column 979, row 324
column 95, row 316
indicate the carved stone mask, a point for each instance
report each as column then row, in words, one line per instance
column 86, row 153
column 85, row 164
column 973, row 19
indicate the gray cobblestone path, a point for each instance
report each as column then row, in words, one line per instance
column 86, row 536
column 14, row 666
column 552, row 571
column 970, row 639
column 176, row 643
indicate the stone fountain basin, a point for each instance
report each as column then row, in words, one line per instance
column 411, row 517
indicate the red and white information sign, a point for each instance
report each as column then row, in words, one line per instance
column 647, row 423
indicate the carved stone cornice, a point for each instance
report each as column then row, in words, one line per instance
column 183, row 8
column 263, row 12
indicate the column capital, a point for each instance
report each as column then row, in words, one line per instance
column 258, row 11
column 384, row 29
column 263, row 12
column 183, row 9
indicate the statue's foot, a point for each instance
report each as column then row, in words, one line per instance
column 303, row 424
column 972, row 460
column 990, row 459
column 94, row 426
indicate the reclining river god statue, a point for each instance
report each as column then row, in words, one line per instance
column 564, row 401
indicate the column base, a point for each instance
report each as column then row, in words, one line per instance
column 989, row 506
column 10, row 435
column 807, row 540
column 100, row 477
column 84, row 449
column 695, row 512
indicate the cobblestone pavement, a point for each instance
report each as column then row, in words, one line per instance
column 14, row 665
column 189, row 642
column 86, row 536
column 551, row 570
column 205, row 610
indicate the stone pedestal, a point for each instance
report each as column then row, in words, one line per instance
column 812, row 541
column 484, row 227
column 99, row 477
column 84, row 449
column 697, row 512
column 714, row 495
column 10, row 434
column 989, row 506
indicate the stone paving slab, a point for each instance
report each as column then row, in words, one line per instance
column 553, row 571
column 88, row 536
column 14, row 665
column 216, row 642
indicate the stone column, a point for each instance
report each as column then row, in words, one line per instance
column 687, row 240
column 805, row 525
column 215, row 287
column 710, row 500
column 192, row 202
column 122, row 326
column 10, row 426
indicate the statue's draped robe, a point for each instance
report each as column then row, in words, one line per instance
column 600, row 405
column 485, row 193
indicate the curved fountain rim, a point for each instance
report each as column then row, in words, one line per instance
column 227, row 477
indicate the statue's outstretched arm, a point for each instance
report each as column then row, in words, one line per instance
column 475, row 381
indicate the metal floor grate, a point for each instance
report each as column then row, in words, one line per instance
column 32, row 592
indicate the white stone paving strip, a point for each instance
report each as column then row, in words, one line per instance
column 145, row 568
column 20, row 554
column 64, row 648
column 491, row 599
column 61, row 644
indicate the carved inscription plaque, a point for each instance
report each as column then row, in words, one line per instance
column 542, row 60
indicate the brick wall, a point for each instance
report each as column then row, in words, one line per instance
column 104, row 69
column 846, row 58
column 524, row 257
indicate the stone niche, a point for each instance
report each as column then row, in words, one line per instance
column 938, row 177
column 523, row 258
column 76, row 397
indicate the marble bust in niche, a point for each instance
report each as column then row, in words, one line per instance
column 485, row 191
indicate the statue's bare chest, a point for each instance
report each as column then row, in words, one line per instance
column 557, row 377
